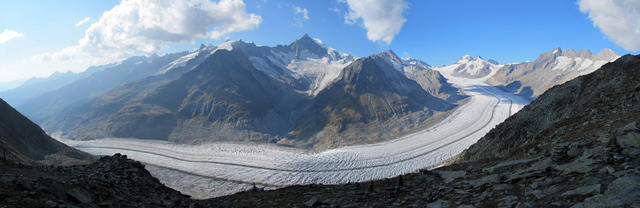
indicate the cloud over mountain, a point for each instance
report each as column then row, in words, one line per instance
column 382, row 18
column 618, row 19
column 142, row 27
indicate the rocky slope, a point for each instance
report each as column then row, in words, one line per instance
column 577, row 145
column 531, row 79
column 242, row 92
column 22, row 141
column 109, row 182
column 38, row 171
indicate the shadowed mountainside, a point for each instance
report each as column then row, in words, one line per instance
column 22, row 141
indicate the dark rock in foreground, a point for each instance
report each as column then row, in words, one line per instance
column 110, row 182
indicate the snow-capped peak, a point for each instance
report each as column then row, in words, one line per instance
column 227, row 45
column 306, row 60
column 468, row 59
column 182, row 61
column 557, row 50
column 470, row 67
column 390, row 57
column 416, row 62
column 582, row 61
column 403, row 65
column 465, row 59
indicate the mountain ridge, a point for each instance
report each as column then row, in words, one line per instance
column 551, row 68
column 179, row 115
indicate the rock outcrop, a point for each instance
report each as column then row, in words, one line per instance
column 113, row 181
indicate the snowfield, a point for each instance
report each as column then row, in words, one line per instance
column 275, row 166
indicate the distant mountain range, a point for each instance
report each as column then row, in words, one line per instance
column 46, row 105
column 4, row 86
column 303, row 94
column 470, row 67
column 35, row 87
column 531, row 79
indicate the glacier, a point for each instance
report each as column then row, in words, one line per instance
column 274, row 166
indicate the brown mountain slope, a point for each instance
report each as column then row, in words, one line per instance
column 24, row 142
column 369, row 100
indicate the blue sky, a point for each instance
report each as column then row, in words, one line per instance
column 438, row 32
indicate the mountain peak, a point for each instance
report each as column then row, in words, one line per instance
column 306, row 39
column 390, row 56
column 306, row 42
column 390, row 53
column 608, row 53
column 467, row 59
column 305, row 36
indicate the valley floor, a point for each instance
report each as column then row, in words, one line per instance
column 241, row 165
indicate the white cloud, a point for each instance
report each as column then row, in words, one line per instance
column 300, row 15
column 302, row 11
column 7, row 35
column 83, row 21
column 618, row 19
column 142, row 27
column 382, row 18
